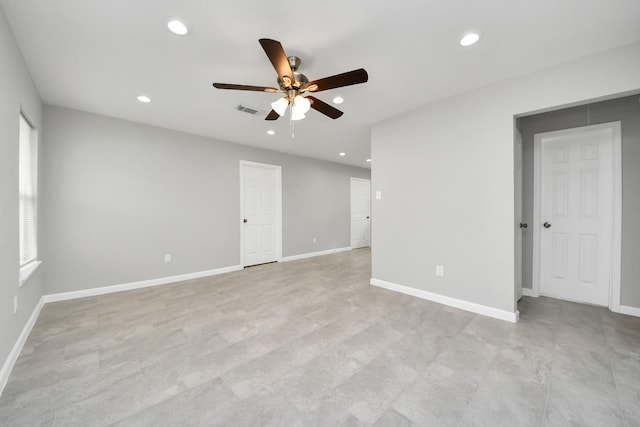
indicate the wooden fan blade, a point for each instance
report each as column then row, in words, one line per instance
column 279, row 60
column 245, row 87
column 339, row 80
column 272, row 116
column 324, row 108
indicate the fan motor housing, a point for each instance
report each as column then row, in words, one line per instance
column 300, row 79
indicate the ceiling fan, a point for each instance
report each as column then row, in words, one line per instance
column 293, row 84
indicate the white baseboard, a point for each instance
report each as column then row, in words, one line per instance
column 312, row 254
column 17, row 347
column 452, row 302
column 622, row 309
column 137, row 285
column 625, row 309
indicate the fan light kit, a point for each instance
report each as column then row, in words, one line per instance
column 299, row 107
column 144, row 99
column 293, row 85
column 177, row 27
column 338, row 100
column 469, row 39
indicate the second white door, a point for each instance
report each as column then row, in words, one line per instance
column 575, row 222
column 260, row 187
column 360, row 212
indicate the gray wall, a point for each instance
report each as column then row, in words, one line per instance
column 446, row 176
column 626, row 110
column 119, row 195
column 17, row 92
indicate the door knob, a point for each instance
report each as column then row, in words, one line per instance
column 523, row 225
column 546, row 225
column 367, row 217
column 244, row 220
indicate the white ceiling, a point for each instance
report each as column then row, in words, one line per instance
column 98, row 55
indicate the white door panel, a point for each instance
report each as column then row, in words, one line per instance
column 576, row 214
column 260, row 213
column 360, row 212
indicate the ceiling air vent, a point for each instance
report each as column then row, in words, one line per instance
column 250, row 110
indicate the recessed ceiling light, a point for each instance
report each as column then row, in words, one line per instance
column 145, row 99
column 342, row 154
column 338, row 100
column 469, row 39
column 271, row 132
column 368, row 160
column 177, row 27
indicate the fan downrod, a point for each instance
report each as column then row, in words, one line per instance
column 294, row 62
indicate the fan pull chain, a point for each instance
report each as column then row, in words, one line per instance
column 292, row 123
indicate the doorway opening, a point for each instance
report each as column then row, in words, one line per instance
column 565, row 155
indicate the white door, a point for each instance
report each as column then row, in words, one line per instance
column 260, row 208
column 360, row 212
column 519, row 225
column 575, row 213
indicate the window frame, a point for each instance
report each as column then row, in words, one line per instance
column 27, row 267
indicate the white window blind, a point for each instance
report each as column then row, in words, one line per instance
column 28, row 166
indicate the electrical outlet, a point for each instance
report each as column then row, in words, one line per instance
column 314, row 240
column 167, row 258
column 15, row 304
column 440, row 270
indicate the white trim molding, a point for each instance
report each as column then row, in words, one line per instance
column 137, row 285
column 314, row 254
column 615, row 283
column 7, row 367
column 452, row 302
column 26, row 271
column 625, row 309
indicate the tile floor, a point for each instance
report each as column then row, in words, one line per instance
column 310, row 343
